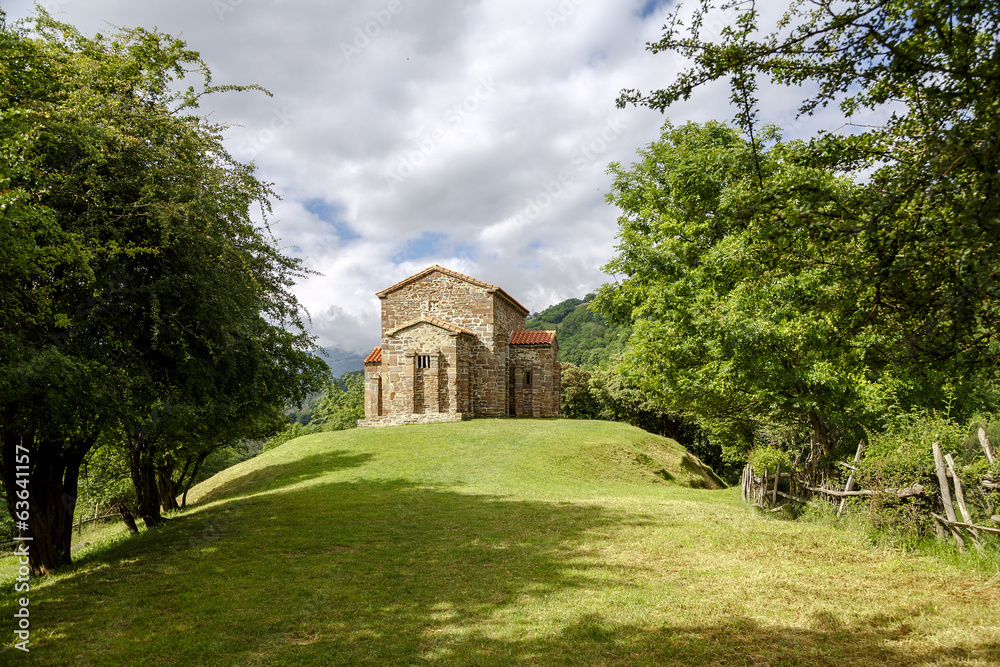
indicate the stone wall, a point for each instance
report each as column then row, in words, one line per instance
column 400, row 420
column 494, row 384
column 507, row 316
column 409, row 389
column 537, row 380
column 463, row 380
column 373, row 390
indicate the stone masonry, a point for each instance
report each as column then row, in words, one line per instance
column 454, row 348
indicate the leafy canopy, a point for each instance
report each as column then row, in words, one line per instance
column 919, row 83
column 740, row 318
column 144, row 295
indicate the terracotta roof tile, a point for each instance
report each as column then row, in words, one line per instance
column 375, row 357
column 532, row 337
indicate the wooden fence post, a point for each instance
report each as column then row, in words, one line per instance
column 984, row 440
column 777, row 480
column 850, row 478
column 949, row 509
column 960, row 499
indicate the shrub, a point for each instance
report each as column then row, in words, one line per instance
column 768, row 458
column 575, row 396
column 902, row 456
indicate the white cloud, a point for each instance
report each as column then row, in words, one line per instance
column 475, row 135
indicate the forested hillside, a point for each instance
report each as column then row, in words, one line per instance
column 585, row 337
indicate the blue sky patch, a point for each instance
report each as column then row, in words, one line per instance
column 331, row 215
column 651, row 6
column 427, row 244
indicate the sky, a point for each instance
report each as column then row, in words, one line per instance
column 474, row 134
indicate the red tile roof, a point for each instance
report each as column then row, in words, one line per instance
column 453, row 274
column 375, row 357
column 532, row 337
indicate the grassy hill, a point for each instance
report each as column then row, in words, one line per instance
column 501, row 542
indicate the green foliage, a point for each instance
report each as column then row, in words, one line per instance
column 147, row 303
column 901, row 456
column 575, row 398
column 105, row 480
column 769, row 458
column 303, row 412
column 290, row 432
column 343, row 403
column 607, row 394
column 913, row 255
column 586, row 339
column 815, row 289
column 735, row 312
column 338, row 408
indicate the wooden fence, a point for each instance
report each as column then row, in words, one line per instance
column 78, row 526
column 764, row 489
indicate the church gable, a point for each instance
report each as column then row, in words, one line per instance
column 433, row 321
column 441, row 296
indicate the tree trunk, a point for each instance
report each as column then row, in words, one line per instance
column 127, row 517
column 143, row 471
column 194, row 474
column 179, row 482
column 166, row 490
column 820, row 440
column 53, row 471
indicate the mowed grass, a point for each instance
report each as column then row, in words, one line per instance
column 497, row 543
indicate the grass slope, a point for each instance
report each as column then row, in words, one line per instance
column 497, row 543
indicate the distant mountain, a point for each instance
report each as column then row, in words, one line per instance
column 585, row 337
column 340, row 361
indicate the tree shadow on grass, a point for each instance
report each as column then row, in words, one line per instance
column 393, row 573
column 273, row 477
column 591, row 640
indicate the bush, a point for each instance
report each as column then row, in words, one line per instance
column 290, row 432
column 576, row 399
column 902, row 456
column 768, row 458
column 343, row 403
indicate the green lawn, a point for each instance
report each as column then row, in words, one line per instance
column 497, row 543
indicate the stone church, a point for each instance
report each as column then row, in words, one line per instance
column 455, row 348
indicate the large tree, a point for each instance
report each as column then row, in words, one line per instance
column 919, row 84
column 138, row 286
column 741, row 316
